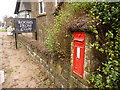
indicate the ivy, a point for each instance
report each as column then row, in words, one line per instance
column 59, row 39
column 108, row 15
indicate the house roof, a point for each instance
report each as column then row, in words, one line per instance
column 17, row 7
column 22, row 6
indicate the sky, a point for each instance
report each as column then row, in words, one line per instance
column 7, row 7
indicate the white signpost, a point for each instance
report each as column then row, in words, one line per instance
column 2, row 79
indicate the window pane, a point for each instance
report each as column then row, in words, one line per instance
column 41, row 8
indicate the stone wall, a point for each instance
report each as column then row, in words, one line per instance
column 59, row 71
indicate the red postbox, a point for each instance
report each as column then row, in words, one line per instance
column 79, row 53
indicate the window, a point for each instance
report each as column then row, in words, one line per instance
column 41, row 7
column 27, row 14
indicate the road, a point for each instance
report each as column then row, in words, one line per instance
column 21, row 70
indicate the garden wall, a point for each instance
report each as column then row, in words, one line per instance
column 59, row 71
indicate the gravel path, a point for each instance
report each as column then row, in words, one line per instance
column 21, row 70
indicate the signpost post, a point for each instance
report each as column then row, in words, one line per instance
column 24, row 25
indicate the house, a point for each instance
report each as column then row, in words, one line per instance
column 44, row 12
column 23, row 9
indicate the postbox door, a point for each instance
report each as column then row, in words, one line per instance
column 78, row 54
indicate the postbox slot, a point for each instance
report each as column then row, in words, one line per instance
column 78, row 41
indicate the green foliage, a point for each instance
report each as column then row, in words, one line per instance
column 108, row 42
column 3, row 30
column 58, row 40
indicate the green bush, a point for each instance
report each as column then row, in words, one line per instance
column 107, row 42
column 3, row 30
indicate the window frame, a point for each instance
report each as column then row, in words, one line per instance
column 42, row 7
column 56, row 3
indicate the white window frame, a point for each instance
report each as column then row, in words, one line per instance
column 56, row 3
column 41, row 7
